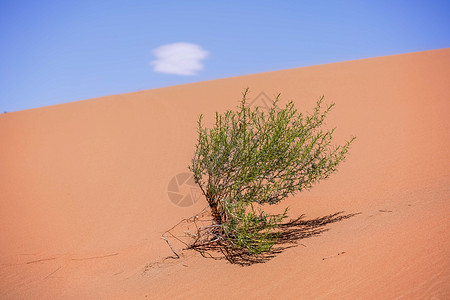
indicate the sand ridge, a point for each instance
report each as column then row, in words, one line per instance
column 85, row 201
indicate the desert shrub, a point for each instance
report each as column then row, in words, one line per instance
column 249, row 158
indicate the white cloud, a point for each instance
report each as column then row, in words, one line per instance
column 179, row 58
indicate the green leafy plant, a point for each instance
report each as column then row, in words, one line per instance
column 250, row 158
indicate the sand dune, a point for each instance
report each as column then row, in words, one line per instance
column 84, row 190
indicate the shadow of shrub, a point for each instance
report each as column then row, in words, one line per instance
column 289, row 235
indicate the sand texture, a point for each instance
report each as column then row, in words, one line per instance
column 84, row 191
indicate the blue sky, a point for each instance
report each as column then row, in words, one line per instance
column 54, row 52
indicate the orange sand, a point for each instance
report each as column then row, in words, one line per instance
column 84, row 196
